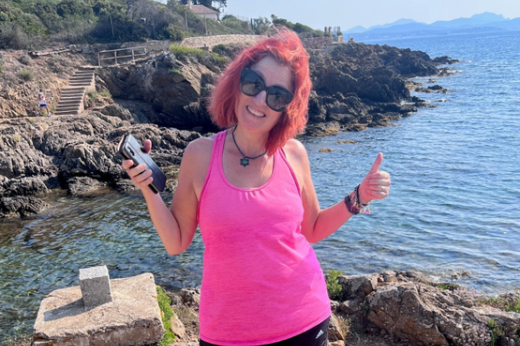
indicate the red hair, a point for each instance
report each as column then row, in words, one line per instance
column 286, row 47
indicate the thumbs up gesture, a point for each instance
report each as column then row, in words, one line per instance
column 376, row 184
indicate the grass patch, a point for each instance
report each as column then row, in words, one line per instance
column 26, row 75
column 447, row 286
column 503, row 304
column 166, row 315
column 105, row 93
column 175, row 70
column 92, row 94
column 495, row 330
column 334, row 288
column 200, row 54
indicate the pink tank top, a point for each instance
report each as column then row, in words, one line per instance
column 262, row 282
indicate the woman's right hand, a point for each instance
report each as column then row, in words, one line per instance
column 141, row 176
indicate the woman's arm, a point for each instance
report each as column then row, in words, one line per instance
column 318, row 224
column 176, row 226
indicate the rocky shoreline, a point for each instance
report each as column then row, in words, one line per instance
column 392, row 309
column 164, row 98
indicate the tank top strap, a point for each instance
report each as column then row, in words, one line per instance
column 218, row 150
column 284, row 169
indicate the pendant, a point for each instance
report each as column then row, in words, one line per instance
column 244, row 161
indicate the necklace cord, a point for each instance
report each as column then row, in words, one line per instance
column 244, row 161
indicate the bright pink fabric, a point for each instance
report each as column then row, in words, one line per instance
column 262, row 282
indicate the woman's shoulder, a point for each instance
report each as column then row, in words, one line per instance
column 199, row 147
column 295, row 149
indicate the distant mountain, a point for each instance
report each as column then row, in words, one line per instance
column 476, row 20
column 398, row 22
column 484, row 22
column 355, row 30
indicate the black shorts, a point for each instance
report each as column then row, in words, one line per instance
column 316, row 336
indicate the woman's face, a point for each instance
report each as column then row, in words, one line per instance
column 252, row 112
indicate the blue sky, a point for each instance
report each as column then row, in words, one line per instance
column 350, row 13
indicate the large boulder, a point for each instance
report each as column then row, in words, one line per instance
column 408, row 307
column 176, row 88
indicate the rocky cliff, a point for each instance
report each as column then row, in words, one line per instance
column 355, row 86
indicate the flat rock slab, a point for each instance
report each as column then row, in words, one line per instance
column 132, row 318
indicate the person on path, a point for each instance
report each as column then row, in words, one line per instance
column 249, row 188
column 43, row 103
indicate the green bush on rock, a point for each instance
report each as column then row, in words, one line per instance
column 166, row 314
column 334, row 288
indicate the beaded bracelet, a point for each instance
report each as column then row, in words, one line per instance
column 353, row 204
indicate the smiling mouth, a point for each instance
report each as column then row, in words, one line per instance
column 255, row 113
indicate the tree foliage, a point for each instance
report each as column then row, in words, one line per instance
column 300, row 28
column 31, row 24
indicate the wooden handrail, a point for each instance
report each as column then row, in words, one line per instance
column 115, row 57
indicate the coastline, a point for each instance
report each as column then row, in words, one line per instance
column 75, row 178
column 385, row 309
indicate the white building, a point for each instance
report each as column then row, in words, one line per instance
column 203, row 11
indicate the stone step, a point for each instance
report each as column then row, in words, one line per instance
column 71, row 98
column 82, row 75
column 66, row 112
column 72, row 88
column 74, row 82
column 67, row 109
column 68, row 105
column 89, row 78
column 69, row 95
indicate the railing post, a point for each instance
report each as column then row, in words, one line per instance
column 98, row 61
column 115, row 56
column 133, row 57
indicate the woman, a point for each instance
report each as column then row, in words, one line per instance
column 249, row 189
column 43, row 103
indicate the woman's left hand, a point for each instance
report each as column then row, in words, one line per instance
column 376, row 184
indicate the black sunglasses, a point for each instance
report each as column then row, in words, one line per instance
column 276, row 97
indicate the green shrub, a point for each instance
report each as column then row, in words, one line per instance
column 200, row 54
column 220, row 49
column 447, row 286
column 496, row 331
column 92, row 94
column 334, row 288
column 167, row 313
column 173, row 32
column 503, row 304
column 105, row 93
column 26, row 75
column 514, row 307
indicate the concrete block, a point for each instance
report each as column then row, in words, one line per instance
column 134, row 317
column 95, row 286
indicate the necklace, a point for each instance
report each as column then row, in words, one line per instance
column 244, row 161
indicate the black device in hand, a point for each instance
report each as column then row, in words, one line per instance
column 130, row 149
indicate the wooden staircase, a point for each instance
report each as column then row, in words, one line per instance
column 71, row 99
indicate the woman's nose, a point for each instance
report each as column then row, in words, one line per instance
column 260, row 98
